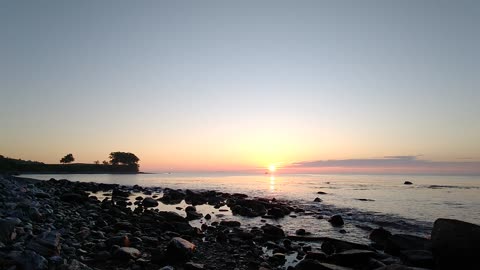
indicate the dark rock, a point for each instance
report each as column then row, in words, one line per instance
column 179, row 249
column 308, row 264
column 120, row 193
column 29, row 260
column 352, row 257
column 400, row 267
column 274, row 232
column 277, row 212
column 149, row 202
column 407, row 183
column 417, row 258
column 119, row 240
column 317, row 199
column 300, row 232
column 7, row 229
column 193, row 266
column 208, row 216
column 336, row 221
column 316, row 255
column 74, row 197
column 328, row 247
column 380, row 236
column 399, row 242
column 47, row 244
column 172, row 196
column 76, row 265
column 321, row 193
column 126, row 253
column 230, row 223
column 455, row 244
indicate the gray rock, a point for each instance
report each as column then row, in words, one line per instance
column 126, row 253
column 455, row 244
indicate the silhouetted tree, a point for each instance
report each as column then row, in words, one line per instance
column 67, row 159
column 123, row 158
column 96, row 162
column 105, row 162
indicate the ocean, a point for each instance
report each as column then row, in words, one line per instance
column 365, row 201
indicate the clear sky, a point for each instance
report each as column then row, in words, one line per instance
column 237, row 85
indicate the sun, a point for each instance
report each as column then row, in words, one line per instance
column 272, row 168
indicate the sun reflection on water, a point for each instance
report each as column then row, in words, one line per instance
column 272, row 183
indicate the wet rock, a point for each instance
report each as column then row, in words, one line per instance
column 309, row 264
column 300, row 232
column 399, row 242
column 119, row 240
column 179, row 249
column 208, row 216
column 417, row 258
column 380, row 236
column 316, row 255
column 455, row 244
column 29, row 260
column 47, row 244
column 274, row 232
column 74, row 197
column 400, row 267
column 126, row 253
column 277, row 212
column 353, row 257
column 193, row 266
column 336, row 221
column 321, row 193
column 172, row 196
column 149, row 202
column 120, row 193
column 328, row 247
column 230, row 223
column 317, row 199
column 407, row 183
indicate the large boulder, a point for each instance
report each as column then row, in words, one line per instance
column 273, row 232
column 149, row 202
column 455, row 244
column 399, row 242
column 380, row 236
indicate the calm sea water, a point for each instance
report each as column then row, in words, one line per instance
column 388, row 202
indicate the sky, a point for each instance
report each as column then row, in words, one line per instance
column 323, row 86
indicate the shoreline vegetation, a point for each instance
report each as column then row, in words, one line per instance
column 120, row 163
column 59, row 224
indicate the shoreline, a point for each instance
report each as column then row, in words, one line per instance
column 120, row 228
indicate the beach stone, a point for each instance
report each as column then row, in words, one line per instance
column 119, row 240
column 336, row 221
column 126, row 253
column 193, row 266
column 380, row 236
column 417, row 258
column 407, row 183
column 120, row 193
column 74, row 197
column 400, row 267
column 316, row 255
column 399, row 242
column 180, row 249
column 352, row 257
column 76, row 265
column 47, row 244
column 230, row 223
column 317, row 199
column 271, row 231
column 149, row 202
column 321, row 192
column 7, row 229
column 455, row 244
column 29, row 260
column 300, row 232
column 328, row 247
column 308, row 264
column 208, row 216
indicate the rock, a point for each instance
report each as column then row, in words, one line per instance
column 352, row 257
column 276, row 212
column 74, row 197
column 7, row 229
column 300, row 232
column 407, row 183
column 208, row 216
column 172, row 196
column 399, row 242
column 274, row 232
column 76, row 265
column 317, row 199
column 179, row 249
column 230, row 223
column 400, row 267
column 149, row 202
column 336, row 221
column 119, row 240
column 321, row 193
column 126, row 253
column 316, row 255
column 120, row 193
column 417, row 258
column 328, row 247
column 29, row 260
column 193, row 266
column 455, row 244
column 46, row 244
column 308, row 264
column 380, row 236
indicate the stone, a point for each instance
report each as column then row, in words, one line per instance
column 179, row 249
column 321, row 193
column 317, row 199
column 316, row 255
column 300, row 232
column 29, row 260
column 46, row 244
column 455, row 244
column 230, row 223
column 74, row 197
column 336, row 221
column 149, row 202
column 352, row 257
column 126, row 253
column 76, row 265
column 274, row 232
column 193, row 266
column 208, row 216
column 400, row 267
column 380, row 236
column 120, row 193
column 7, row 229
column 417, row 258
column 308, row 264
column 407, row 183
column 399, row 242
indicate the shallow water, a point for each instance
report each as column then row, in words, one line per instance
column 390, row 203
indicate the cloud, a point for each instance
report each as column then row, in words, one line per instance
column 394, row 164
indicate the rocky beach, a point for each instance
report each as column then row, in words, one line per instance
column 59, row 224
